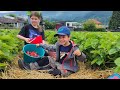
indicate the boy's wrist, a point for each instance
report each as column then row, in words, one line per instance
column 80, row 54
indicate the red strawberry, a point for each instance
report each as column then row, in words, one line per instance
column 34, row 54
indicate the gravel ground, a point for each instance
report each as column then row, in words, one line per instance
column 15, row 72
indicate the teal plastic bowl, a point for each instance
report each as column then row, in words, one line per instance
column 32, row 47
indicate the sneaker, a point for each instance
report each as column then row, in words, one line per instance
column 55, row 72
column 23, row 65
column 46, row 67
column 33, row 66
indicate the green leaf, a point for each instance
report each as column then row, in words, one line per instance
column 3, row 65
column 1, row 53
column 117, row 61
column 94, row 43
column 94, row 61
column 117, row 69
column 118, row 46
column 112, row 51
column 99, row 61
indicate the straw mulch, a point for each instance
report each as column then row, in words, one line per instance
column 14, row 72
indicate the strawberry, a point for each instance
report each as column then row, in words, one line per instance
column 34, row 54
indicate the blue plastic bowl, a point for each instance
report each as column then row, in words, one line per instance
column 32, row 47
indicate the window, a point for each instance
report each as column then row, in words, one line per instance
column 68, row 24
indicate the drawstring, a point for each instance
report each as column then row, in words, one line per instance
column 64, row 70
column 74, row 61
column 64, row 61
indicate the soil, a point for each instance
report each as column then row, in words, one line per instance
column 14, row 72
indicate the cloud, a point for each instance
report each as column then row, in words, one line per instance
column 6, row 11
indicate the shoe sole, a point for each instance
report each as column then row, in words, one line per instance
column 20, row 64
column 43, row 71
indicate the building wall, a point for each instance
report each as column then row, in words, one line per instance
column 70, row 23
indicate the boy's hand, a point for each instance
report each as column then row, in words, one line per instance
column 77, row 52
column 37, row 45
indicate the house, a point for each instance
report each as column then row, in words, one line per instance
column 20, row 22
column 59, row 24
column 71, row 25
column 74, row 25
column 97, row 23
column 16, row 22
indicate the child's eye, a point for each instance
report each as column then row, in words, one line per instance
column 61, row 36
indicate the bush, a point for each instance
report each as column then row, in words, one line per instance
column 49, row 25
column 78, row 29
column 89, row 26
column 101, row 29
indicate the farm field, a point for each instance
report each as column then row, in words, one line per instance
column 102, row 50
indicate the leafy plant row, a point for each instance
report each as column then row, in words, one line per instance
column 101, row 48
column 9, row 46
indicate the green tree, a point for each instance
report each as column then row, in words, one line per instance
column 114, row 20
column 11, row 15
column 89, row 25
column 49, row 25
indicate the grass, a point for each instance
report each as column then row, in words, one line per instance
column 14, row 72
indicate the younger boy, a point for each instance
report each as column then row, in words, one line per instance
column 67, row 54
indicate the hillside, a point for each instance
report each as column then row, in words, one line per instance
column 102, row 16
column 79, row 16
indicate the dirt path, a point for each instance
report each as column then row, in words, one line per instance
column 16, row 73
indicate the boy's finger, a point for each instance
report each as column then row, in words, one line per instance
column 37, row 45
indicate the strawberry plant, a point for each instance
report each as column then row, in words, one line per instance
column 101, row 48
column 10, row 46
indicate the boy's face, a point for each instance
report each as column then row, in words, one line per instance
column 63, row 39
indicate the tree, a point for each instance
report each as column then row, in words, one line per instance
column 115, row 20
column 49, row 25
column 11, row 15
column 89, row 25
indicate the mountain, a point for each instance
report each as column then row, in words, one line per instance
column 102, row 16
column 52, row 15
column 79, row 16
column 63, row 15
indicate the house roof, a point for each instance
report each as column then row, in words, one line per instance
column 20, row 20
column 8, row 20
column 96, row 21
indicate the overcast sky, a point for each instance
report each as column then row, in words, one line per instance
column 6, row 11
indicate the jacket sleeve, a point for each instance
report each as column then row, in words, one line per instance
column 48, row 47
column 82, row 57
column 57, row 51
